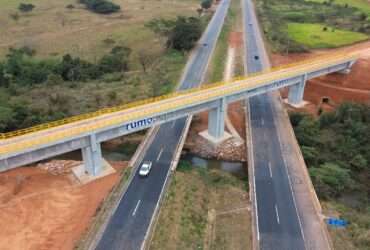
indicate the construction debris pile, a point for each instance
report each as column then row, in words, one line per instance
column 229, row 150
column 59, row 167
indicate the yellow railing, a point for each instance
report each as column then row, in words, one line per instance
column 141, row 108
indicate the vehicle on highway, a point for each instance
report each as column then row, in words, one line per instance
column 256, row 57
column 145, row 168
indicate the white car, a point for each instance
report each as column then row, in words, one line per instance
column 145, row 168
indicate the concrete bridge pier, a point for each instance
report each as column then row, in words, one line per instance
column 348, row 69
column 216, row 124
column 92, row 157
column 94, row 166
column 296, row 91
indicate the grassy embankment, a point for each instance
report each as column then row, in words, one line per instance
column 315, row 36
column 362, row 5
column 336, row 148
column 204, row 209
column 296, row 26
column 53, row 30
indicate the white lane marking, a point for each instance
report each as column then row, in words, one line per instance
column 277, row 215
column 173, row 124
column 137, row 206
column 263, row 122
column 160, row 153
column 270, row 169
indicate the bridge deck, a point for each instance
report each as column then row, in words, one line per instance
column 48, row 134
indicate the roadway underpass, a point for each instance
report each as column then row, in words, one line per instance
column 277, row 216
column 129, row 224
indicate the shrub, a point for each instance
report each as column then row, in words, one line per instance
column 331, row 179
column 70, row 6
column 185, row 33
column 101, row 6
column 206, row 4
column 117, row 60
column 181, row 33
column 26, row 7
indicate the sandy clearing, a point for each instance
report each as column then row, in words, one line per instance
column 45, row 211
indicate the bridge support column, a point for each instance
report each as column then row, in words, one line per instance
column 348, row 69
column 296, row 91
column 216, row 124
column 92, row 157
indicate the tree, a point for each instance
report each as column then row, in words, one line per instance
column 70, row 6
column 14, row 16
column 117, row 60
column 181, row 34
column 206, row 4
column 200, row 11
column 75, row 69
column 296, row 117
column 101, row 6
column 307, row 131
column 359, row 162
column 145, row 59
column 26, row 7
column 161, row 27
column 6, row 118
column 331, row 179
column 185, row 34
column 4, row 81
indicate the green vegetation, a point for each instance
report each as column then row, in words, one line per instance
column 203, row 209
column 21, row 68
column 180, row 34
column 35, row 91
column 362, row 5
column 282, row 19
column 206, row 4
column 336, row 148
column 26, row 7
column 319, row 36
column 120, row 62
column 101, row 6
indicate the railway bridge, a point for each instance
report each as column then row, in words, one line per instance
column 86, row 132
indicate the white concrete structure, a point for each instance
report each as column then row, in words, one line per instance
column 86, row 135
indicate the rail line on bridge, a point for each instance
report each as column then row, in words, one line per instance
column 153, row 111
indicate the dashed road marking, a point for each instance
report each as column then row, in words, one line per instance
column 160, row 153
column 277, row 215
column 270, row 170
column 137, row 206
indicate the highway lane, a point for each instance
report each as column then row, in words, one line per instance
column 129, row 223
column 278, row 223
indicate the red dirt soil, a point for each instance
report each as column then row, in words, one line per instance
column 354, row 86
column 41, row 211
column 235, row 39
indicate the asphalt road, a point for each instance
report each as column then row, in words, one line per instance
column 278, row 222
column 129, row 223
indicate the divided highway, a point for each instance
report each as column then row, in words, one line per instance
column 278, row 223
column 130, row 222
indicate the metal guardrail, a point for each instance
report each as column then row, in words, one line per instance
column 89, row 122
